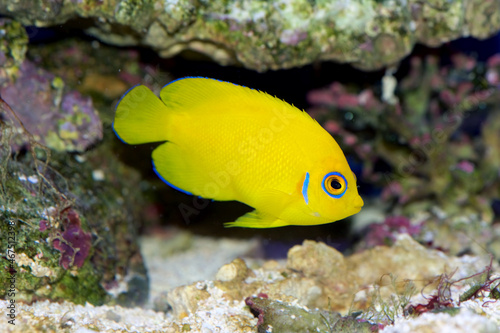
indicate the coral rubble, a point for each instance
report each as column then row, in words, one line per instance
column 249, row 295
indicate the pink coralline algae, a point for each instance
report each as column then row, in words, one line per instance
column 385, row 233
column 60, row 119
column 427, row 137
column 465, row 166
column 74, row 243
column 44, row 225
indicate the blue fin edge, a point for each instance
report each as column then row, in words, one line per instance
column 168, row 183
column 113, row 127
column 125, row 94
column 116, row 107
column 203, row 77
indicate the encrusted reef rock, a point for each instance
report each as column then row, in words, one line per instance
column 61, row 119
column 274, row 34
column 13, row 46
column 317, row 276
column 281, row 317
column 235, row 301
column 328, row 269
column 70, row 236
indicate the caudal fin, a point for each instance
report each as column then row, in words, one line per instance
column 141, row 117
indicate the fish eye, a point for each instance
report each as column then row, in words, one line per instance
column 334, row 184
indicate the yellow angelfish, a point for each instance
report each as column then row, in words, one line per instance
column 229, row 142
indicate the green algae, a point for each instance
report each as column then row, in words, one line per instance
column 13, row 47
column 81, row 288
column 276, row 34
column 38, row 190
column 134, row 12
column 388, row 309
column 278, row 316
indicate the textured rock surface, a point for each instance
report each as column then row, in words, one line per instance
column 219, row 306
column 317, row 276
column 75, row 238
column 13, row 46
column 465, row 322
column 72, row 237
column 277, row 316
column 60, row 119
column 271, row 34
column 57, row 117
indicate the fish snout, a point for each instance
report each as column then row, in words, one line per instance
column 358, row 202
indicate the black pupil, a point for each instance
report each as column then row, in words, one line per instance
column 335, row 184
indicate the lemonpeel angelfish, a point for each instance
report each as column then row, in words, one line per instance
column 228, row 142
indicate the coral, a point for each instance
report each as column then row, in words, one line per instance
column 74, row 243
column 274, row 34
column 74, row 240
column 57, row 118
column 385, row 233
column 430, row 141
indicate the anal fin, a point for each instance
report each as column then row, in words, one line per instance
column 255, row 219
column 171, row 164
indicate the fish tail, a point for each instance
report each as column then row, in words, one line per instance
column 141, row 117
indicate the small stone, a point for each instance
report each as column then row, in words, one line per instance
column 270, row 265
column 184, row 299
column 236, row 270
column 315, row 259
column 98, row 175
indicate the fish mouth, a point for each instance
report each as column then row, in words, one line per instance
column 358, row 203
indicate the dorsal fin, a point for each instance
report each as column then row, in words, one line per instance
column 199, row 94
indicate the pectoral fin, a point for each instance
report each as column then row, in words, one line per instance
column 255, row 219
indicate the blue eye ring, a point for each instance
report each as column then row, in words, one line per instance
column 329, row 189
